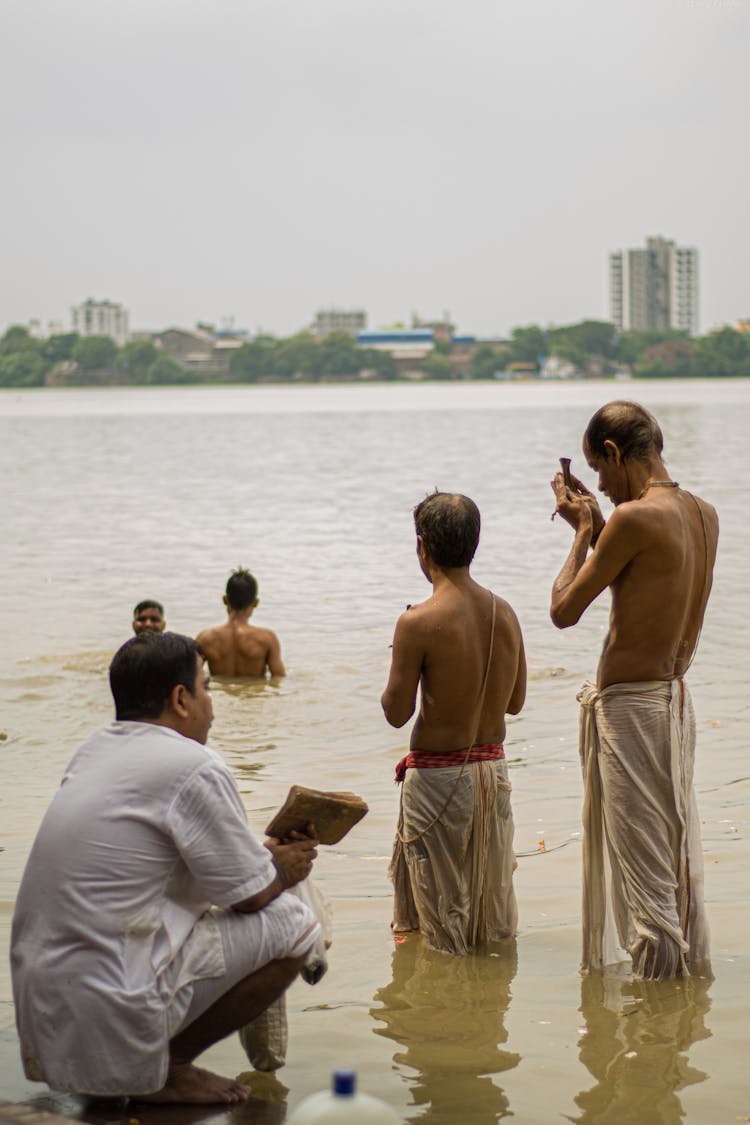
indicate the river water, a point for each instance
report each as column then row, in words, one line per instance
column 112, row 495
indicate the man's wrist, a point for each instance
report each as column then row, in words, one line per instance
column 283, row 881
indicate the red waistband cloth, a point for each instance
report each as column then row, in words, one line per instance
column 426, row 760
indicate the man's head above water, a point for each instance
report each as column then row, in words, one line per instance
column 148, row 617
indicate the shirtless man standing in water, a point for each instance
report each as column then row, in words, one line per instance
column 453, row 859
column 656, row 553
column 237, row 648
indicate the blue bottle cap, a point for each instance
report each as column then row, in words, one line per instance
column 345, row 1083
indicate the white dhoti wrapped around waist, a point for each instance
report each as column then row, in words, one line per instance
column 453, row 877
column 642, row 859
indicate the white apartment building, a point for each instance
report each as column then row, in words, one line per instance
column 101, row 318
column 655, row 288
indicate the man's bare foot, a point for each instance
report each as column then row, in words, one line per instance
column 188, row 1083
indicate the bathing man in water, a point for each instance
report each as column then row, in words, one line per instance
column 453, row 860
column 148, row 616
column 656, row 553
column 237, row 648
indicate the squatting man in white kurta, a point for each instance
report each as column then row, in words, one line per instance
column 150, row 922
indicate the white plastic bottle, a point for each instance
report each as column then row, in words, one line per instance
column 342, row 1105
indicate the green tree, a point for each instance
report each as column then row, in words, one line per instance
column 17, row 339
column 21, row 361
column 669, row 359
column 254, row 359
column 579, row 342
column 379, row 361
column 95, row 353
column 485, row 362
column 59, row 348
column 723, row 352
column 164, row 369
column 630, row 346
column 22, row 369
column 527, row 344
column 297, row 355
column 137, row 358
column 437, row 366
column 339, row 355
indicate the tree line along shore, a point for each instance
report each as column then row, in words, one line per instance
column 590, row 349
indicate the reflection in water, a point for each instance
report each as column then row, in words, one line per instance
column 448, row 1012
column 635, row 1045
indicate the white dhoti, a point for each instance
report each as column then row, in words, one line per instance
column 642, row 859
column 454, row 882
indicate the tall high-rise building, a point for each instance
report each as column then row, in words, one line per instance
column 654, row 289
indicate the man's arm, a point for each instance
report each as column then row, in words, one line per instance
column 273, row 658
column 582, row 579
column 293, row 861
column 205, row 641
column 518, row 695
column 399, row 698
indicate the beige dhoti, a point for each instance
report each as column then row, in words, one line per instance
column 642, row 859
column 454, row 882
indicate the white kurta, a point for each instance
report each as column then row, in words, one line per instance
column 642, row 858
column 146, row 832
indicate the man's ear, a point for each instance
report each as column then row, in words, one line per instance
column 612, row 451
column 178, row 701
column 225, row 600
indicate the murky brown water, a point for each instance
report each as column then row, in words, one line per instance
column 112, row 496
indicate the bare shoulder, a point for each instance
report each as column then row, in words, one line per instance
column 416, row 617
column 506, row 616
column 631, row 526
column 710, row 515
column 263, row 636
column 208, row 636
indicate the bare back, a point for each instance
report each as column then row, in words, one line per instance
column 659, row 596
column 240, row 650
column 443, row 644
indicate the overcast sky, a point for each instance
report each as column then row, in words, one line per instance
column 262, row 159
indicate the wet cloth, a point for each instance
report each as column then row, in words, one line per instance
column 115, row 945
column 455, row 883
column 642, row 859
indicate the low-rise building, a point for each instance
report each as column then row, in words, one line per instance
column 350, row 321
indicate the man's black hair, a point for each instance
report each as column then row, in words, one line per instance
column 146, row 668
column 635, row 432
column 449, row 525
column 148, row 603
column 242, row 589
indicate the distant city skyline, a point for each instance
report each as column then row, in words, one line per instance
column 197, row 161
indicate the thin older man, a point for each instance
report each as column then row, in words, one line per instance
column 150, row 923
column 656, row 554
column 453, row 859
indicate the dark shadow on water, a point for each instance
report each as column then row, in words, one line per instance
column 447, row 1016
column 636, row 1043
